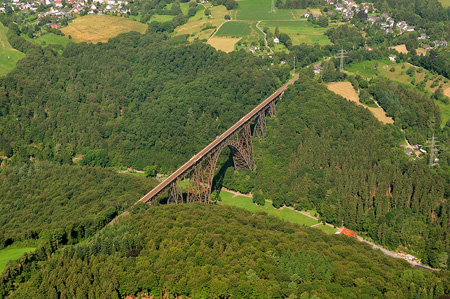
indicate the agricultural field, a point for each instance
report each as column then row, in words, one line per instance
column 234, row 29
column 299, row 31
column 225, row 44
column 245, row 30
column 8, row 55
column 445, row 3
column 346, row 90
column 256, row 10
column 400, row 49
column 246, row 203
column 12, row 253
column 100, row 28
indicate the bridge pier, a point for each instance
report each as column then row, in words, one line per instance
column 200, row 168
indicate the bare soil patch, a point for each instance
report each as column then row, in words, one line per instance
column 400, row 49
column 225, row 44
column 346, row 90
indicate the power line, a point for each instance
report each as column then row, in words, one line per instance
column 341, row 54
column 272, row 8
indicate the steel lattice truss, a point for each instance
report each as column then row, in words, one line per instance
column 199, row 170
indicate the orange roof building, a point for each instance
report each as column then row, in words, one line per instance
column 348, row 232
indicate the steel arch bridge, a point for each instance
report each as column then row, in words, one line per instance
column 201, row 167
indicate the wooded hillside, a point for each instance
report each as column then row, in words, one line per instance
column 206, row 251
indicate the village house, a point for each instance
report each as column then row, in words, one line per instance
column 427, row 47
column 276, row 40
column 410, row 28
column 442, row 43
column 318, row 69
column 392, row 57
column 389, row 30
column 423, row 36
column 305, row 14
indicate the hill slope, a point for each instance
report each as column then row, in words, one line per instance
column 219, row 252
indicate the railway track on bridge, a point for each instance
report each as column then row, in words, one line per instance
column 218, row 143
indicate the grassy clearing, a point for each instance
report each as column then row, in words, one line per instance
column 225, row 44
column 197, row 29
column 326, row 228
column 346, row 90
column 299, row 31
column 246, row 203
column 161, row 18
column 12, row 253
column 399, row 75
column 8, row 55
column 219, row 12
column 255, row 10
column 51, row 38
column 100, row 28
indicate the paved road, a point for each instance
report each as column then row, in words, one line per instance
column 265, row 37
column 204, row 152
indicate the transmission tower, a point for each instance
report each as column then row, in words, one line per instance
column 433, row 151
column 341, row 54
column 272, row 8
column 433, row 144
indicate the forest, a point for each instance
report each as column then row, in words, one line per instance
column 142, row 99
column 46, row 202
column 209, row 251
column 327, row 153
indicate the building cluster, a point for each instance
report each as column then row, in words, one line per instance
column 66, row 9
column 388, row 24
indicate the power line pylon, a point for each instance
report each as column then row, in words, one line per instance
column 341, row 54
column 433, row 144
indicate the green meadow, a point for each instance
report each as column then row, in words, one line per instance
column 234, row 29
column 246, row 203
column 255, row 10
column 299, row 31
column 12, row 253
column 8, row 56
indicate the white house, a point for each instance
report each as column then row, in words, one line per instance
column 276, row 40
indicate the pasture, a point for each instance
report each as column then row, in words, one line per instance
column 100, row 28
column 256, row 10
column 299, row 31
column 8, row 55
column 225, row 44
column 346, row 90
column 246, row 203
column 234, row 29
column 201, row 29
column 12, row 253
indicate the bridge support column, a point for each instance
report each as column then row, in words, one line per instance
column 175, row 192
column 259, row 130
column 200, row 183
column 242, row 149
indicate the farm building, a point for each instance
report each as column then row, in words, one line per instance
column 348, row 233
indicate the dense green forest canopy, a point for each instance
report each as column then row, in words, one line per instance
column 325, row 152
column 62, row 203
column 207, row 251
column 141, row 99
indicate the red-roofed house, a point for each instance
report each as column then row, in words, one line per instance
column 348, row 233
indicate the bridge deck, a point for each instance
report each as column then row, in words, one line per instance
column 186, row 166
